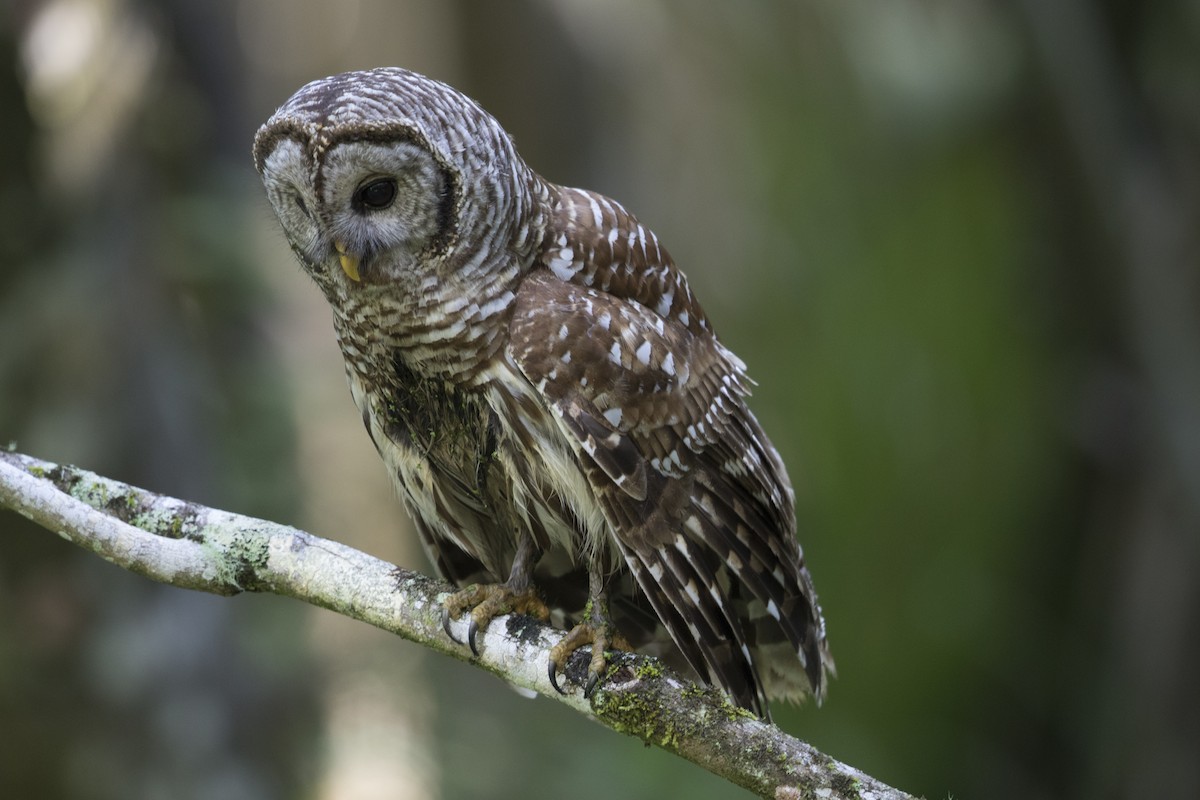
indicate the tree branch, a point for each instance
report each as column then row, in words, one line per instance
column 194, row 547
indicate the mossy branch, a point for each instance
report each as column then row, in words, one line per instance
column 194, row 547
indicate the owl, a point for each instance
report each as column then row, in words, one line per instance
column 550, row 400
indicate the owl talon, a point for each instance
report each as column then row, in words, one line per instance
column 602, row 636
column 486, row 602
column 592, row 683
column 472, row 629
column 552, row 673
column 446, row 618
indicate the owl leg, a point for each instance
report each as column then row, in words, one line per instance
column 487, row 601
column 596, row 629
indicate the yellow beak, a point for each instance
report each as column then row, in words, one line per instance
column 349, row 261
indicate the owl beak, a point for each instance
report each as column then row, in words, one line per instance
column 349, row 261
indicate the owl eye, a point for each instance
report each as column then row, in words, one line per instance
column 301, row 205
column 377, row 194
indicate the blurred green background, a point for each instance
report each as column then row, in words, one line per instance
column 955, row 241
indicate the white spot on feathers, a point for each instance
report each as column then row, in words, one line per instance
column 562, row 269
column 664, row 304
column 643, row 353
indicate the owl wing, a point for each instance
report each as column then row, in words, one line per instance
column 697, row 498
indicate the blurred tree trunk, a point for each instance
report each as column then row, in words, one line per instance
column 1129, row 167
column 147, row 333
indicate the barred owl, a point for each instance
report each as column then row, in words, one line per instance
column 548, row 396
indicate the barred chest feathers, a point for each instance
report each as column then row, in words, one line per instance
column 478, row 465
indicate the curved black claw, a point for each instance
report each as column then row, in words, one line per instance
column 592, row 683
column 446, row 627
column 552, row 672
column 472, row 629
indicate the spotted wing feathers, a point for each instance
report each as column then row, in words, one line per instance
column 698, row 500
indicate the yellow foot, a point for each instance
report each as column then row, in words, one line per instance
column 488, row 601
column 601, row 635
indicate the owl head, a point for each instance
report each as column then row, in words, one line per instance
column 386, row 180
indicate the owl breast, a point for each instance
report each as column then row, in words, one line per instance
column 478, row 465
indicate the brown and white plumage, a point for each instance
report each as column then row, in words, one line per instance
column 543, row 386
